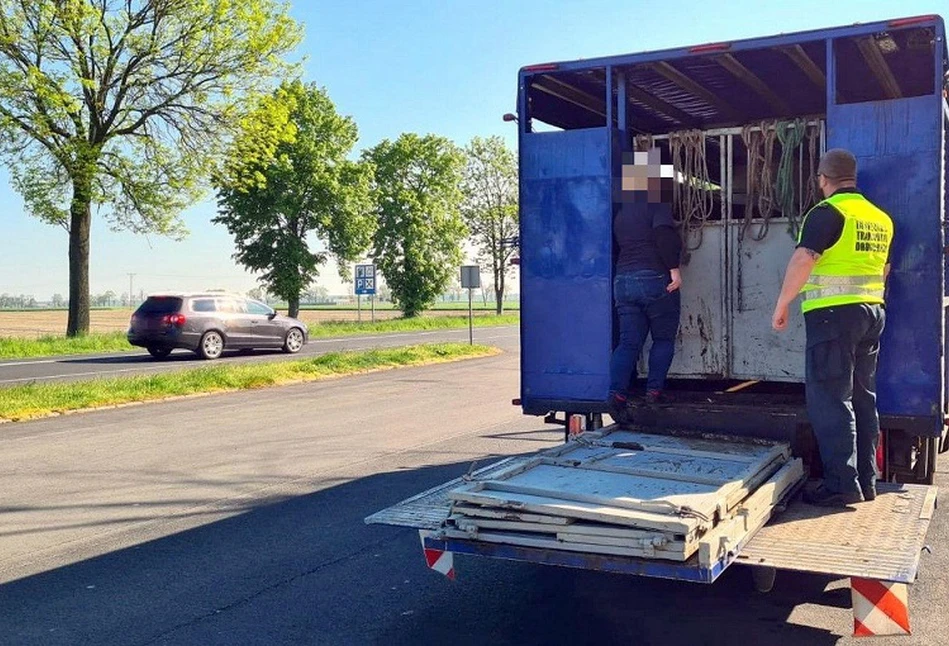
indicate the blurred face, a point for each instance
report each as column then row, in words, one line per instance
column 644, row 174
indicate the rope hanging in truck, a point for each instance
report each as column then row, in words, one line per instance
column 790, row 136
column 759, row 141
column 693, row 196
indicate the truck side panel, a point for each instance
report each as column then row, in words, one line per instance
column 898, row 149
column 566, row 273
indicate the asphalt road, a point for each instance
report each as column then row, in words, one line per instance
column 125, row 363
column 238, row 519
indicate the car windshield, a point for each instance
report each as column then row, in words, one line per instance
column 160, row 305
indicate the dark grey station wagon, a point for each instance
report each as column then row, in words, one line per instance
column 209, row 323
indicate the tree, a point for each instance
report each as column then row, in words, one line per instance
column 317, row 295
column 274, row 194
column 258, row 294
column 57, row 301
column 121, row 103
column 490, row 207
column 418, row 241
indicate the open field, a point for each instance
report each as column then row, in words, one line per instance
column 37, row 323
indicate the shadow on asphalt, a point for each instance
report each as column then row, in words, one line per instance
column 308, row 570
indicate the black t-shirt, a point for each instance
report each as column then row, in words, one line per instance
column 824, row 226
column 647, row 238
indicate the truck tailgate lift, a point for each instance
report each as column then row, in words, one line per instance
column 877, row 543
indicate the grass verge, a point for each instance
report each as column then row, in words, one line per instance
column 31, row 401
column 51, row 346
column 418, row 324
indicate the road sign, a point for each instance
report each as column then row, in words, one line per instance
column 470, row 277
column 365, row 280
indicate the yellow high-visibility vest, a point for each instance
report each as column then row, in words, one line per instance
column 851, row 270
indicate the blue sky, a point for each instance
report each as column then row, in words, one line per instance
column 434, row 66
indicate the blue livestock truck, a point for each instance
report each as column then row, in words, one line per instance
column 878, row 90
column 712, row 478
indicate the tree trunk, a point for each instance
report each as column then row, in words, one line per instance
column 80, row 225
column 293, row 305
column 499, row 291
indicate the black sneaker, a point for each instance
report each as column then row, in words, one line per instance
column 823, row 497
column 618, row 409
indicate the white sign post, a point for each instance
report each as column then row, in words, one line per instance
column 470, row 280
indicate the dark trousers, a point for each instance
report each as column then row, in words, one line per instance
column 843, row 344
column 643, row 307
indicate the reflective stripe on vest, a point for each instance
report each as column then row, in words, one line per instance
column 851, row 270
column 842, row 285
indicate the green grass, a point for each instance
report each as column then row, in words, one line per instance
column 423, row 324
column 47, row 346
column 478, row 306
column 50, row 346
column 43, row 399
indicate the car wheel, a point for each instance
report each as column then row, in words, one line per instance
column 294, row 341
column 159, row 353
column 212, row 345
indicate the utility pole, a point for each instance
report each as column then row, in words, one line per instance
column 131, row 306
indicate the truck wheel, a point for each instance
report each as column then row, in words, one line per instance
column 763, row 578
column 211, row 346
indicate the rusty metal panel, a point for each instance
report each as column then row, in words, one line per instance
column 756, row 275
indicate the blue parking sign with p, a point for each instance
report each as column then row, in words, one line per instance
column 365, row 280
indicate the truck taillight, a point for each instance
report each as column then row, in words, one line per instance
column 174, row 319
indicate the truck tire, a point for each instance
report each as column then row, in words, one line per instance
column 763, row 578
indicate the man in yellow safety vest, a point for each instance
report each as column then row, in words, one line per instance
column 840, row 269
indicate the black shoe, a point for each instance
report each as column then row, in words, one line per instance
column 869, row 492
column 822, row 497
column 656, row 397
column 618, row 409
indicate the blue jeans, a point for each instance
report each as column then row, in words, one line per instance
column 843, row 343
column 644, row 307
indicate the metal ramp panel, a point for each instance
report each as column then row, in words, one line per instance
column 880, row 540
